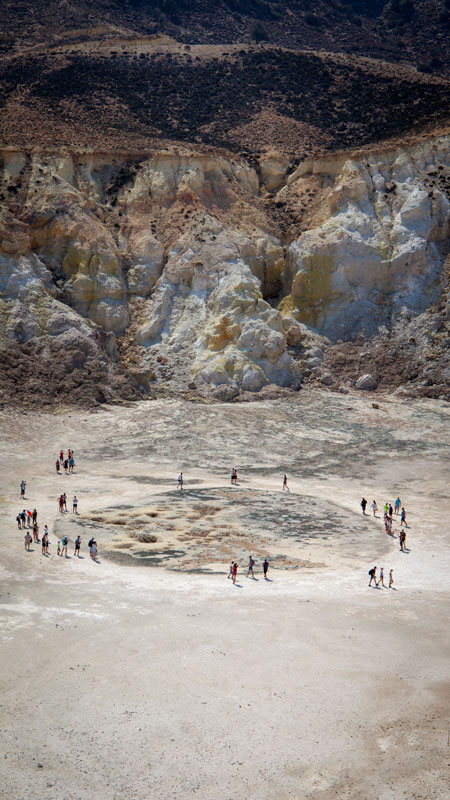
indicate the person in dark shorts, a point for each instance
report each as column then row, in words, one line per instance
column 373, row 576
column 402, row 540
column 251, row 564
column 403, row 518
column 265, row 568
column 381, row 578
column 58, row 467
column 363, row 505
column 285, row 486
column 77, row 546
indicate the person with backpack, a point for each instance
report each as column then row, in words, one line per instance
column 373, row 576
column 19, row 521
column 64, row 543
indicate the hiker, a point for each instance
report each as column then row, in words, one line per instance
column 391, row 510
column 251, row 564
column 285, row 486
column 61, row 456
column 19, row 521
column 363, row 505
column 230, row 574
column 386, row 508
column 77, row 546
column 391, row 578
column 28, row 541
column 64, row 542
column 34, row 515
column 66, row 465
column 61, row 504
column 403, row 518
column 374, row 508
column 64, row 497
column 381, row 578
column 93, row 550
column 373, row 575
column 29, row 519
column 22, row 488
column 23, row 517
column 36, row 532
column 58, row 548
column 71, row 464
column 233, row 476
column 180, row 481
column 235, row 569
column 397, row 504
column 44, row 544
column 75, row 504
column 402, row 540
column 58, row 467
column 265, row 568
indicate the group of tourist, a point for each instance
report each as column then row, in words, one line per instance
column 388, row 515
column 62, row 503
column 68, row 463
column 250, row 569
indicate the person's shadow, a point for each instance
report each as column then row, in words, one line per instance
column 239, row 585
column 269, row 580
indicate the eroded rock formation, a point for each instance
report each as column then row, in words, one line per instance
column 122, row 272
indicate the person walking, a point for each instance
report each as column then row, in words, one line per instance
column 77, row 546
column 29, row 519
column 93, row 550
column 180, row 481
column 285, row 486
column 58, row 467
column 386, row 508
column 23, row 485
column 402, row 540
column 391, row 510
column 397, row 504
column 34, row 515
column 251, row 564
column 61, row 503
column 65, row 501
column 23, row 517
column 374, row 508
column 265, row 568
column 381, row 578
column 36, row 532
column 75, row 504
column 58, row 548
column 19, row 521
column 66, row 465
column 64, row 542
column 373, row 576
column 363, row 505
column 44, row 544
column 230, row 574
column 235, row 570
column 233, row 476
column 71, row 464
column 403, row 518
column 28, row 541
column 61, row 456
column 391, row 578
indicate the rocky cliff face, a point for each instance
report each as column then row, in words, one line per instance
column 179, row 269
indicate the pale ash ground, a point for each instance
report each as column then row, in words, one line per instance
column 133, row 682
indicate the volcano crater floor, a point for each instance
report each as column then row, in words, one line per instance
column 148, row 674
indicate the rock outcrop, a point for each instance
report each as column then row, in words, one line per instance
column 122, row 272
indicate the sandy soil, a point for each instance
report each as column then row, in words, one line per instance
column 126, row 679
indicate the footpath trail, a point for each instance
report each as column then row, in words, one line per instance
column 147, row 682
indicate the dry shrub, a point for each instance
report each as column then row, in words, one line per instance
column 146, row 537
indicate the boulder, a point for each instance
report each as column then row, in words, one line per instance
column 366, row 383
column 327, row 379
